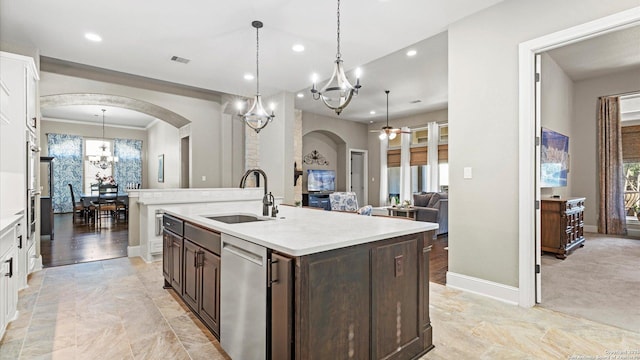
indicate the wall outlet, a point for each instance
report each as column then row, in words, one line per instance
column 204, row 178
column 467, row 173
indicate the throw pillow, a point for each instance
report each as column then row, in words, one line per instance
column 421, row 199
column 434, row 200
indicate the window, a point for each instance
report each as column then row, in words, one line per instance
column 393, row 179
column 94, row 147
column 419, row 178
column 419, row 136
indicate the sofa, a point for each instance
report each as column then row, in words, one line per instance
column 433, row 207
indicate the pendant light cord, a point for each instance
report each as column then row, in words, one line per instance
column 387, row 92
column 338, row 55
column 257, row 61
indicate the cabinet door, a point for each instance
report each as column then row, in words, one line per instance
column 395, row 303
column 176, row 263
column 281, row 307
column 209, row 309
column 167, row 256
column 334, row 314
column 191, row 274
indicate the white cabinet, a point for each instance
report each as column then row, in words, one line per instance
column 8, row 273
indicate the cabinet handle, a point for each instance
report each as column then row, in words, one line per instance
column 10, row 273
column 20, row 242
column 270, row 272
column 195, row 259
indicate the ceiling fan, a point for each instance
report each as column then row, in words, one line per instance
column 388, row 132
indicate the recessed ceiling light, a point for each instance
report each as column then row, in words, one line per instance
column 298, row 48
column 300, row 95
column 248, row 76
column 93, row 37
column 372, row 112
column 370, row 121
column 411, row 53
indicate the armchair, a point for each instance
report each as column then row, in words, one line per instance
column 433, row 207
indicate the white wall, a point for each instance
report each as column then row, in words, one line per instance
column 164, row 139
column 556, row 113
column 584, row 166
column 483, row 127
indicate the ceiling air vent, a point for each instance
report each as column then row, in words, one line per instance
column 415, row 101
column 180, row 60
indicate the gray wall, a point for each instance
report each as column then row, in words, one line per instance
column 94, row 131
column 584, row 156
column 353, row 134
column 205, row 116
column 483, row 127
column 414, row 121
column 327, row 147
column 557, row 113
column 163, row 140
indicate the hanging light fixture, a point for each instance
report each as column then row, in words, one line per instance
column 387, row 131
column 338, row 92
column 104, row 160
column 257, row 117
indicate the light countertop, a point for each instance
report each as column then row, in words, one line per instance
column 304, row 231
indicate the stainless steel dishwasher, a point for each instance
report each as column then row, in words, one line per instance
column 243, row 301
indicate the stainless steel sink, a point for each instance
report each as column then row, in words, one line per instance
column 236, row 218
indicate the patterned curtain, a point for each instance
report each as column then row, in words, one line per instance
column 612, row 217
column 67, row 169
column 128, row 169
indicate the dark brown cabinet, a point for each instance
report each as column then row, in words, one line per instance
column 202, row 274
column 339, row 291
column 562, row 225
column 172, row 253
column 368, row 301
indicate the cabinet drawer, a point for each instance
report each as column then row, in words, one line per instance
column 205, row 238
column 173, row 224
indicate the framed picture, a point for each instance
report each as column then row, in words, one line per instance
column 161, row 168
column 554, row 159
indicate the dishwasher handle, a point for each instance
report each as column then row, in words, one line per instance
column 242, row 253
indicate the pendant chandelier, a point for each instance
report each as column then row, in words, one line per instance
column 104, row 160
column 257, row 117
column 338, row 92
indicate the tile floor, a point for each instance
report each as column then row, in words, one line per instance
column 117, row 309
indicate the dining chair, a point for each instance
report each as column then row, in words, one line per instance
column 106, row 202
column 78, row 207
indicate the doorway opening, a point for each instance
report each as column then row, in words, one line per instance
column 358, row 175
column 531, row 278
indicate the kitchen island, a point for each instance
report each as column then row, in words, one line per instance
column 307, row 284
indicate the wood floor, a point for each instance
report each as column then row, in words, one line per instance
column 439, row 260
column 78, row 242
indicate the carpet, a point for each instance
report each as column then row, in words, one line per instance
column 600, row 281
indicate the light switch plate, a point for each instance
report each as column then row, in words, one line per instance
column 468, row 173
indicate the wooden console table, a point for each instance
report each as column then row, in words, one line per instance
column 562, row 228
column 403, row 212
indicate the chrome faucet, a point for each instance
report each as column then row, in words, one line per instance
column 266, row 200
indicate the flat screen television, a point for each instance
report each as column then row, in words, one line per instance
column 554, row 159
column 321, row 180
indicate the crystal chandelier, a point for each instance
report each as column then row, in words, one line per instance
column 338, row 92
column 257, row 117
column 104, row 160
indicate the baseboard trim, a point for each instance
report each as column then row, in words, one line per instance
column 133, row 251
column 591, row 228
column 490, row 289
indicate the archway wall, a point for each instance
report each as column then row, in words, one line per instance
column 344, row 134
column 203, row 117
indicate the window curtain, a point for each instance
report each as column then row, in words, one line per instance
column 66, row 151
column 612, row 216
column 128, row 169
